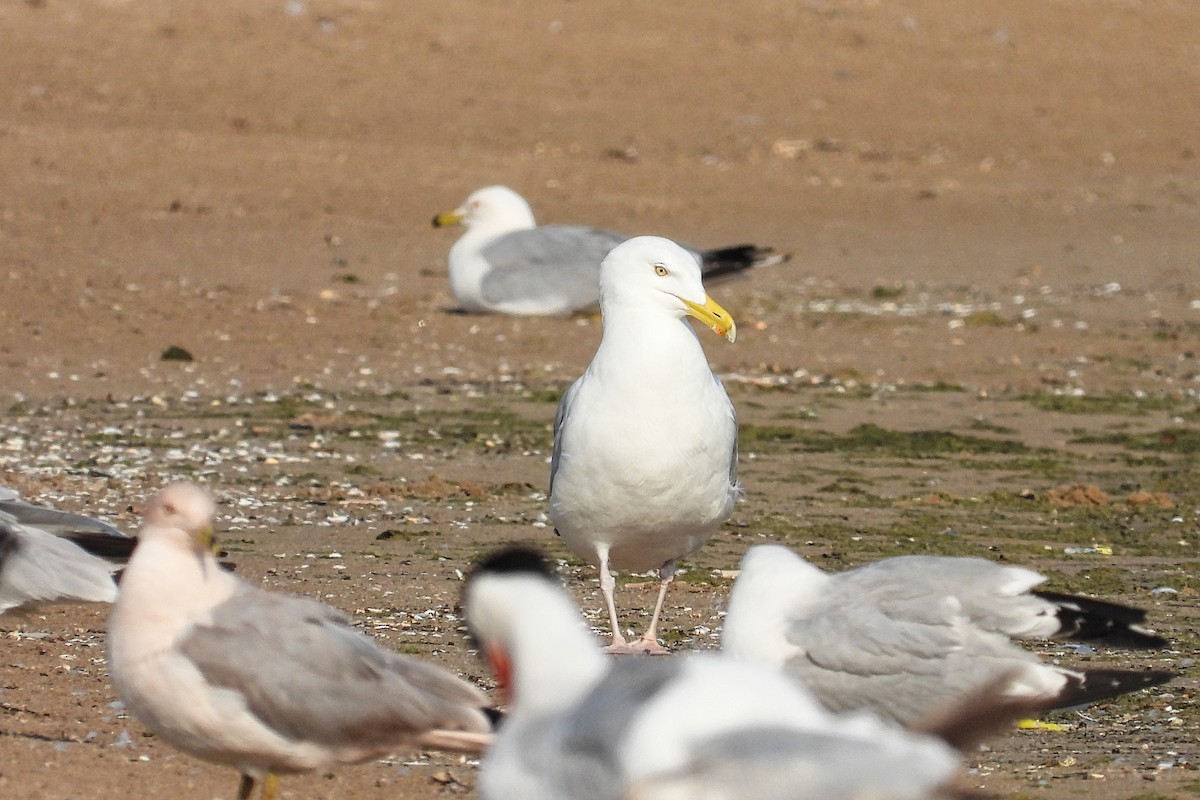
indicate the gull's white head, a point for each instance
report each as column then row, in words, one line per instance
column 649, row 272
column 182, row 512
column 772, row 570
column 773, row 584
column 495, row 209
column 531, row 634
column 776, row 564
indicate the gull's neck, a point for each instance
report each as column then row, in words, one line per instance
column 164, row 589
column 649, row 332
column 651, row 351
column 466, row 265
column 556, row 671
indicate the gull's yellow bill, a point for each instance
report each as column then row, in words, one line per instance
column 448, row 218
column 712, row 315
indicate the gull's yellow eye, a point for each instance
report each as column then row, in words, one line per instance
column 660, row 270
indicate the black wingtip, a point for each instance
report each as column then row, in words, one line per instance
column 729, row 261
column 1114, row 624
column 517, row 559
column 117, row 549
column 1103, row 684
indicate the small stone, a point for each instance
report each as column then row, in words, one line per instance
column 176, row 353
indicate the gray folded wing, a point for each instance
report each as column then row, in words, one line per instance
column 577, row 754
column 1003, row 598
column 542, row 763
column 994, row 597
column 561, row 261
column 778, row 764
column 896, row 650
column 307, row 674
column 560, row 416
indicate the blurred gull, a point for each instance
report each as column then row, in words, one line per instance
column 699, row 726
column 906, row 637
column 644, row 468
column 506, row 263
column 48, row 555
column 261, row 681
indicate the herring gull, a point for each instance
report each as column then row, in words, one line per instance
column 508, row 264
column 261, row 681
column 644, row 467
column 700, row 726
column 47, row 555
column 907, row 636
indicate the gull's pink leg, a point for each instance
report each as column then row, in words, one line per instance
column 648, row 644
column 607, row 586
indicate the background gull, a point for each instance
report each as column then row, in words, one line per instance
column 906, row 637
column 49, row 555
column 264, row 682
column 644, row 468
column 506, row 263
column 697, row 726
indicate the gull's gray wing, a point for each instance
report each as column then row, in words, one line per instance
column 307, row 674
column 995, row 597
column 551, row 260
column 782, row 764
column 560, row 415
column 1002, row 598
column 733, row 457
column 38, row 567
column 908, row 637
column 600, row 723
column 895, row 649
column 576, row 754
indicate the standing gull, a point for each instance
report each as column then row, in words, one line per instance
column 47, row 555
column 264, row 682
column 644, row 468
column 506, row 263
column 906, row 637
column 582, row 727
